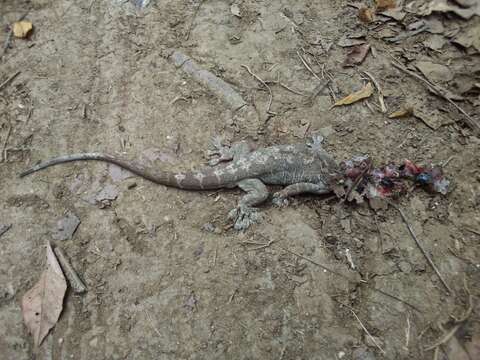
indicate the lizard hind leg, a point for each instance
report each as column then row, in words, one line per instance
column 280, row 198
column 245, row 214
column 221, row 153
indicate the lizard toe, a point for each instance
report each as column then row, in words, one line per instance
column 244, row 217
column 280, row 200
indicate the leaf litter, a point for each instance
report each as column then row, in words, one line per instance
column 43, row 303
column 363, row 93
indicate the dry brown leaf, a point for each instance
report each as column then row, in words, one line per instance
column 385, row 4
column 403, row 112
column 363, row 93
column 43, row 303
column 21, row 29
column 444, row 6
column 356, row 55
column 366, row 15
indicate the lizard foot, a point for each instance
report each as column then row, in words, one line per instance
column 219, row 153
column 280, row 200
column 243, row 217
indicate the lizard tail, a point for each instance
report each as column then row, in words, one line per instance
column 186, row 180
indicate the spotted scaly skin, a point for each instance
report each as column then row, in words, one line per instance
column 301, row 168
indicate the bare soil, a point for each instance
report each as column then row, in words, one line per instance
column 167, row 277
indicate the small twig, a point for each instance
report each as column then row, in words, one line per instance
column 420, row 246
column 380, row 92
column 398, row 299
column 351, row 280
column 5, row 83
column 363, row 327
column 318, row 89
column 232, row 296
column 270, row 100
column 318, row 264
column 307, row 66
column 76, row 283
column 261, row 246
column 439, row 92
column 6, row 45
column 187, row 35
column 473, row 231
column 4, row 228
column 284, row 86
column 444, row 338
column 5, row 142
column 407, row 333
column 150, row 320
column 282, row 354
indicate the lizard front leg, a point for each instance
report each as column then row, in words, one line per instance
column 222, row 153
column 245, row 214
column 280, row 198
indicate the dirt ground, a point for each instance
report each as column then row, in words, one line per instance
column 167, row 276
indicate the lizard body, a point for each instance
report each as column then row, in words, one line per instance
column 302, row 168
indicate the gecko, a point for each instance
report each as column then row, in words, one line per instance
column 301, row 168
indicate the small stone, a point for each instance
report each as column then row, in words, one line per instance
column 331, row 239
column 362, row 353
column 405, row 267
column 66, row 226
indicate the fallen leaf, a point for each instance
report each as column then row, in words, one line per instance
column 385, row 4
column 403, row 112
column 473, row 346
column 434, row 119
column 66, row 226
column 396, row 14
column 455, row 351
column 363, row 93
column 235, row 10
column 469, row 38
column 434, row 72
column 444, row 6
column 21, row 29
column 346, row 42
column 356, row 55
column 366, row 15
column 43, row 303
column 435, row 42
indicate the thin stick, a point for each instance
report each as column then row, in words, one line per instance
column 444, row 338
column 193, row 20
column 5, row 83
column 420, row 246
column 380, row 92
column 307, row 66
column 4, row 228
column 261, row 245
column 364, row 328
column 407, row 332
column 6, row 45
column 351, row 280
column 438, row 91
column 5, row 142
column 150, row 320
column 398, row 299
column 317, row 264
column 76, row 283
column 285, row 87
column 270, row 100
column 10, row 35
